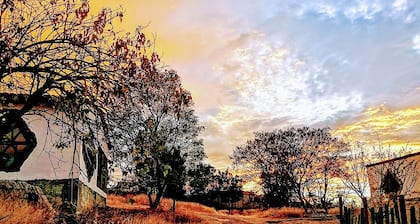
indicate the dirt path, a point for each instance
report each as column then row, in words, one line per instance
column 221, row 218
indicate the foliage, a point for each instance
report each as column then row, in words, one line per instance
column 99, row 85
column 291, row 162
column 58, row 55
column 224, row 187
column 153, row 132
column 199, row 178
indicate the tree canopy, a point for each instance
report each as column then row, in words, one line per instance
column 57, row 54
column 293, row 164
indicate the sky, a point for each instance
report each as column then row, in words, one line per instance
column 352, row 65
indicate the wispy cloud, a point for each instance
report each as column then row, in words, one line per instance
column 416, row 43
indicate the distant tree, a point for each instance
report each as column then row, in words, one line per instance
column 58, row 52
column 269, row 154
column 290, row 162
column 199, row 178
column 331, row 155
column 353, row 173
column 224, row 187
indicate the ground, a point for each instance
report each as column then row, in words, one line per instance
column 133, row 209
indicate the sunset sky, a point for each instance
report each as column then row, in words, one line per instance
column 259, row 65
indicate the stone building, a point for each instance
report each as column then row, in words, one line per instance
column 72, row 177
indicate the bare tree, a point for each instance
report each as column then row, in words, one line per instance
column 57, row 54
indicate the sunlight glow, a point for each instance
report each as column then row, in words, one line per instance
column 396, row 128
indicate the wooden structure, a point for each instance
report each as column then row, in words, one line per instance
column 399, row 175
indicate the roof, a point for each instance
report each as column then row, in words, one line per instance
column 394, row 159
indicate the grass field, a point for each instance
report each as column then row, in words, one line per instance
column 196, row 213
column 134, row 209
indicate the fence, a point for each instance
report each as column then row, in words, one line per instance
column 398, row 214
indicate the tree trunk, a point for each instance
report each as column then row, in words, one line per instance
column 365, row 211
column 324, row 196
column 149, row 196
column 159, row 196
column 173, row 204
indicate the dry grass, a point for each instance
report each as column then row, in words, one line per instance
column 135, row 202
column 284, row 212
column 15, row 210
column 135, row 210
column 185, row 211
column 114, row 215
column 334, row 211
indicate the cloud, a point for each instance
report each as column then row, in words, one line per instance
column 261, row 65
column 354, row 10
column 273, row 81
column 400, row 5
column 416, row 43
column 395, row 127
column 267, row 85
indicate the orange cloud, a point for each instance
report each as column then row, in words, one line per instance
column 396, row 128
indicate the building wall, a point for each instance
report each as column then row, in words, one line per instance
column 61, row 173
column 93, row 183
column 377, row 171
column 46, row 161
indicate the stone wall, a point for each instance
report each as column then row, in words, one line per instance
column 24, row 191
column 65, row 196
column 62, row 194
column 88, row 199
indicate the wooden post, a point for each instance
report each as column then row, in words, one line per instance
column 403, row 210
column 361, row 217
column 380, row 216
column 397, row 213
column 392, row 216
column 340, row 204
column 365, row 211
column 413, row 214
column 372, row 215
column 173, row 204
column 346, row 221
column 387, row 214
